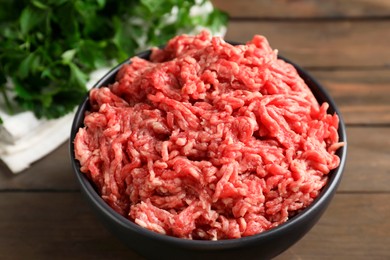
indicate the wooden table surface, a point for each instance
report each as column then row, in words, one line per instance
column 345, row 45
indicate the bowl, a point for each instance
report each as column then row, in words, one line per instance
column 265, row 245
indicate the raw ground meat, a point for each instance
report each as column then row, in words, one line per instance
column 208, row 140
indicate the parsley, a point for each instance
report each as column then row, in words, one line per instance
column 48, row 48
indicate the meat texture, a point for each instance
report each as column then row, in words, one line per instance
column 206, row 140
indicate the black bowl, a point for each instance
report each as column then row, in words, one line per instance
column 261, row 246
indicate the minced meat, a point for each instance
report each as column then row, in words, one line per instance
column 206, row 140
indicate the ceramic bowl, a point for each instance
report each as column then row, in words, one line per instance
column 266, row 245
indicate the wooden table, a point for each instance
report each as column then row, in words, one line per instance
column 346, row 45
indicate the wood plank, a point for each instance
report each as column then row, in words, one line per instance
column 355, row 226
column 61, row 225
column 368, row 164
column 54, row 226
column 367, row 167
column 304, row 8
column 322, row 44
column 363, row 96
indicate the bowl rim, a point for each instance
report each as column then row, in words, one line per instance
column 327, row 191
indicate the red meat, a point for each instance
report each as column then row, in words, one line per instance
column 207, row 140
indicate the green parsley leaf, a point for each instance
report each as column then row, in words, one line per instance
column 30, row 18
column 49, row 47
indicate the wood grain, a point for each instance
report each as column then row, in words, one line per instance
column 330, row 9
column 54, row 226
column 64, row 219
column 363, row 96
column 329, row 44
column 368, row 164
column 355, row 226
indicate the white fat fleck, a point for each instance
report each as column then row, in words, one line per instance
column 181, row 141
column 140, row 222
